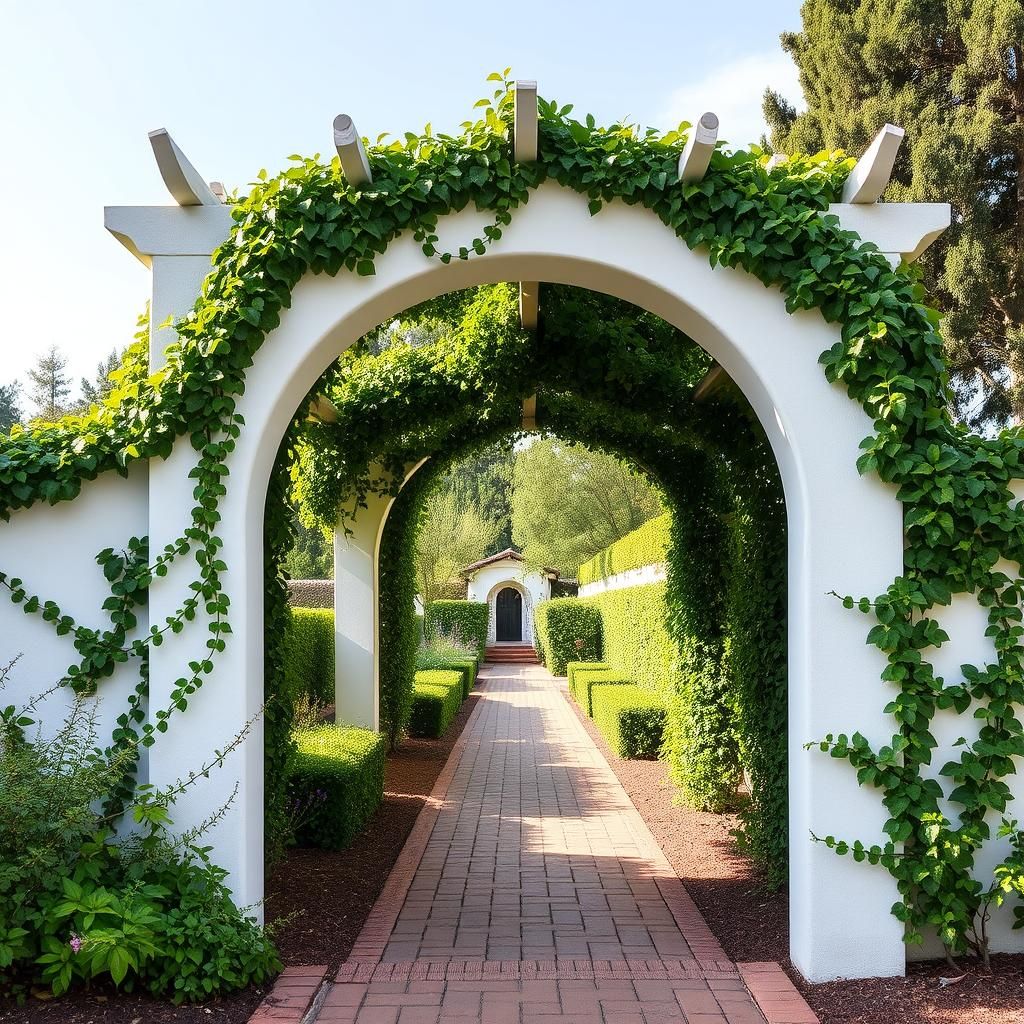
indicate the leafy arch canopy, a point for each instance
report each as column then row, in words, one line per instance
column 769, row 221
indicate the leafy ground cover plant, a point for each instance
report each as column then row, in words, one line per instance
column 80, row 904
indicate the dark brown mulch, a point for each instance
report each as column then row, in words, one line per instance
column 323, row 896
column 752, row 924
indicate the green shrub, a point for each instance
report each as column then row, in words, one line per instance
column 336, row 783
column 631, row 719
column 647, row 545
column 464, row 622
column 436, row 698
column 568, row 629
column 635, row 638
column 587, row 666
column 585, row 682
column 468, row 669
column 309, row 654
column 80, row 905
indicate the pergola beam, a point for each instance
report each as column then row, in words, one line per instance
column 873, row 170
column 710, row 383
column 696, row 155
column 349, row 145
column 183, row 181
column 524, row 150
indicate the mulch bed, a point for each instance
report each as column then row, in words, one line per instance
column 321, row 896
column 753, row 924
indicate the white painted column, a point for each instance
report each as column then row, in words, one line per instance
column 357, row 616
column 177, row 243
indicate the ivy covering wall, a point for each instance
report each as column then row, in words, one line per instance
column 637, row 375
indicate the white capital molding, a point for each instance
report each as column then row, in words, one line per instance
column 183, row 181
column 148, row 231
column 696, row 155
column 873, row 170
column 349, row 144
column 902, row 231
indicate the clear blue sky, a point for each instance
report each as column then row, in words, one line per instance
column 241, row 86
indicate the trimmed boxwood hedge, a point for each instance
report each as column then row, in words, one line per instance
column 465, row 619
column 568, row 629
column 436, row 699
column 630, row 718
column 585, row 682
column 587, row 666
column 468, row 667
column 647, row 545
column 309, row 653
column 336, row 782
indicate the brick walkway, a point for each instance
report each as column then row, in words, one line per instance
column 531, row 892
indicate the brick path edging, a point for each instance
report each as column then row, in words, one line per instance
column 775, row 994
column 292, row 995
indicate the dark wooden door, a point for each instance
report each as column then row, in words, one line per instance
column 509, row 615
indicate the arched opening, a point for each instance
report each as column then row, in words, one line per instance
column 508, row 615
column 838, row 912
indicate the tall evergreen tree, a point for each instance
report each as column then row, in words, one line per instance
column 95, row 390
column 10, row 406
column 949, row 72
column 484, row 480
column 50, row 385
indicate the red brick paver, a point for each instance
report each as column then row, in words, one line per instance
column 531, row 892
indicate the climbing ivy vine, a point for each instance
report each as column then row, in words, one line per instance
column 963, row 528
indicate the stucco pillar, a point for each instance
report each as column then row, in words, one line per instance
column 177, row 244
column 357, row 616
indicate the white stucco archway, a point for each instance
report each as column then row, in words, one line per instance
column 845, row 530
column 526, row 609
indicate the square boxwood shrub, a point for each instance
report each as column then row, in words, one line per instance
column 468, row 669
column 632, row 720
column 309, row 654
column 336, row 782
column 464, row 620
column 585, row 682
column 568, row 629
column 436, row 699
column 587, row 666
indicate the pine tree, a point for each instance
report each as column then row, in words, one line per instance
column 95, row 390
column 50, row 385
column 949, row 72
column 10, row 406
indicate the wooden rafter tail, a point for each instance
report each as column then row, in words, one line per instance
column 183, row 181
column 349, row 144
column 700, row 146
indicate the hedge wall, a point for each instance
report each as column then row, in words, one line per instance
column 309, row 654
column 336, row 783
column 647, row 545
column 568, row 629
column 311, row 593
column 635, row 636
column 467, row 619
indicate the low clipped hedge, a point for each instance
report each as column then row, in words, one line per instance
column 568, row 629
column 586, row 666
column 436, row 699
column 466, row 620
column 336, row 782
column 428, row 661
column 647, row 545
column 585, row 682
column 309, row 654
column 631, row 719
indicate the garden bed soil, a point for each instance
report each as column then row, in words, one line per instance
column 752, row 923
column 321, row 897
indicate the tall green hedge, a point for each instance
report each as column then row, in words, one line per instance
column 647, row 545
column 309, row 653
column 635, row 636
column 466, row 619
column 568, row 629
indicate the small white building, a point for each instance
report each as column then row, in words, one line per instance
column 512, row 591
